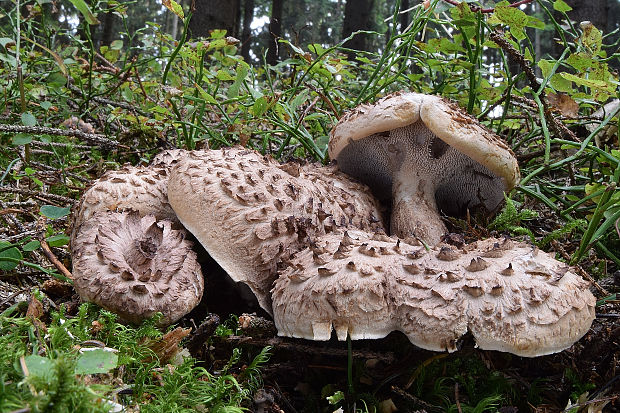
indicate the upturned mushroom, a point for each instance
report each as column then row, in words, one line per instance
column 509, row 295
column 424, row 155
column 251, row 212
column 136, row 266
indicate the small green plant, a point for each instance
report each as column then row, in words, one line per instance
column 510, row 219
column 56, row 373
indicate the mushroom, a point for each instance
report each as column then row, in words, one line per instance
column 136, row 266
column 509, row 295
column 125, row 218
column 425, row 155
column 250, row 212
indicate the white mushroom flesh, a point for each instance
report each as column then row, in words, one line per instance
column 425, row 157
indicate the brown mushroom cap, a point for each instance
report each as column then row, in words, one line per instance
column 424, row 154
column 136, row 266
column 250, row 212
column 510, row 296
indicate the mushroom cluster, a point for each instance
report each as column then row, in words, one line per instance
column 252, row 214
column 310, row 241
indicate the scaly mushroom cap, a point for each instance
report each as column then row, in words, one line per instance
column 131, row 188
column 320, row 290
column 136, row 266
column 250, row 212
column 509, row 295
column 426, row 155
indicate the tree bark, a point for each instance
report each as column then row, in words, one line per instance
column 215, row 14
column 404, row 17
column 275, row 31
column 594, row 11
column 108, row 29
column 357, row 16
column 246, row 34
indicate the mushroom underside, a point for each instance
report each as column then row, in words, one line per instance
column 421, row 177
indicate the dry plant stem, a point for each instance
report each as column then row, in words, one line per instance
column 99, row 99
column 581, row 271
column 297, row 347
column 39, row 195
column 558, row 127
column 62, row 145
column 410, row 397
column 100, row 140
column 54, row 260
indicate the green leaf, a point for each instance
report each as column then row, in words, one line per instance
column 336, row 397
column 224, row 75
column 96, row 361
column 591, row 38
column 591, row 83
column 206, row 96
column 174, row 7
column 46, row 105
column 242, row 72
column 57, row 240
column 116, row 45
column 9, row 256
column 21, row 139
column 85, row 10
column 54, row 212
column 31, row 246
column 28, row 119
column 4, row 41
column 512, row 16
column 259, row 107
column 561, row 6
column 39, row 366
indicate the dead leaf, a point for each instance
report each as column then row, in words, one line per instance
column 563, row 104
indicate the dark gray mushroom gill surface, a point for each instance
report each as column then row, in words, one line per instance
column 440, row 177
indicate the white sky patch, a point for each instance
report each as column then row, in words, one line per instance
column 259, row 22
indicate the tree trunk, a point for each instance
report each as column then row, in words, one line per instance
column 275, row 31
column 215, row 14
column 594, row 11
column 404, row 17
column 108, row 29
column 357, row 16
column 246, row 35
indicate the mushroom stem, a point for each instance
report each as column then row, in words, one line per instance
column 414, row 209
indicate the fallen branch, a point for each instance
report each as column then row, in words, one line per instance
column 34, row 194
column 54, row 260
column 98, row 99
column 100, row 140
